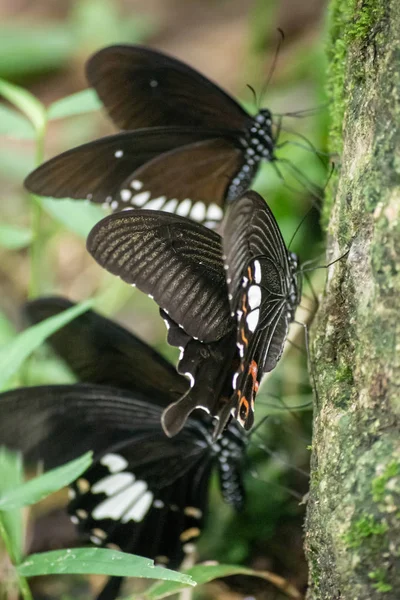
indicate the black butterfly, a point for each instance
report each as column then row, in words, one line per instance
column 227, row 302
column 192, row 147
column 144, row 493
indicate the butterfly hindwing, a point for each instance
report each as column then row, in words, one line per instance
column 263, row 293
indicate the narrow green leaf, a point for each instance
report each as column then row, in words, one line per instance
column 26, row 49
column 11, row 521
column 76, row 104
column 25, row 102
column 75, row 215
column 15, row 125
column 14, row 238
column 40, row 487
column 208, row 572
column 97, row 561
column 7, row 330
column 13, row 354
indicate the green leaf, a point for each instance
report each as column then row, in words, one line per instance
column 75, row 215
column 13, row 354
column 11, row 521
column 27, row 49
column 97, row 561
column 7, row 330
column 40, row 487
column 26, row 103
column 208, row 572
column 14, row 238
column 14, row 125
column 76, row 104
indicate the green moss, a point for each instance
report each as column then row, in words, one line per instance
column 365, row 527
column 368, row 14
column 380, row 584
column 379, row 483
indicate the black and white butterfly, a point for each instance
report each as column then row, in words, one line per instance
column 227, row 302
column 189, row 147
column 144, row 493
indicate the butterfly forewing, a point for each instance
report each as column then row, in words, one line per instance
column 176, row 261
column 99, row 351
column 141, row 87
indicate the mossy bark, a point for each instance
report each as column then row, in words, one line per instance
column 353, row 519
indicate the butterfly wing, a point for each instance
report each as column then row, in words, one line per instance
column 141, row 87
column 99, row 351
column 262, row 292
column 96, row 171
column 175, row 260
column 192, row 180
column 210, row 367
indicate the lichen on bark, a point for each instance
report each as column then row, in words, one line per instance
column 353, row 516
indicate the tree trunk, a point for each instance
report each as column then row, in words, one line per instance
column 353, row 518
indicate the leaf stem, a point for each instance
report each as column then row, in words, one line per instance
column 21, row 580
column 36, row 218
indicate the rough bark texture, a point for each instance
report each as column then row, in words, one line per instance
column 353, row 521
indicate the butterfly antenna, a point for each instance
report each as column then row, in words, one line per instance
column 273, row 64
column 253, row 91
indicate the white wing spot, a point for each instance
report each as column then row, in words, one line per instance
column 214, row 212
column 198, row 211
column 234, row 380
column 171, row 205
column 184, row 208
column 114, row 462
column 71, row 494
column 252, row 319
column 157, row 203
column 113, row 484
column 116, row 506
column 126, row 195
column 254, row 296
column 136, row 184
column 191, row 378
column 245, row 281
column 140, row 199
column 89, row 196
column 119, row 154
column 158, row 504
column 257, row 271
column 74, row 519
column 95, row 540
column 114, row 204
column 140, row 509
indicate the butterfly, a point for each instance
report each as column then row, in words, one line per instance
column 144, row 493
column 227, row 302
column 187, row 147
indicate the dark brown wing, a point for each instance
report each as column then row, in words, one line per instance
column 141, row 87
column 96, row 171
column 99, row 351
column 176, row 261
column 189, row 181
